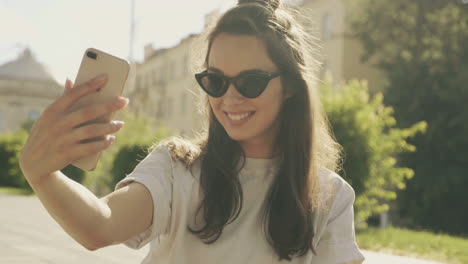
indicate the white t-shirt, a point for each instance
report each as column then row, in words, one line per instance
column 175, row 193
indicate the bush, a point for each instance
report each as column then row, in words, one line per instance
column 10, row 147
column 371, row 143
column 74, row 173
column 126, row 160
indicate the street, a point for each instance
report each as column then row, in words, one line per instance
column 28, row 234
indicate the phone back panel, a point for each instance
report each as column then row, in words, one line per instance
column 116, row 70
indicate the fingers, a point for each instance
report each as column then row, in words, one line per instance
column 94, row 131
column 69, row 98
column 68, row 86
column 95, row 111
column 85, row 149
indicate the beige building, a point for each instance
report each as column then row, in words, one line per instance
column 165, row 88
column 341, row 53
column 26, row 89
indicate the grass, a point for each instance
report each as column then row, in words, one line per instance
column 420, row 244
column 14, row 191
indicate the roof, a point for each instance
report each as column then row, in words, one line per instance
column 25, row 67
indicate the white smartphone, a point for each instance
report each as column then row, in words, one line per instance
column 93, row 64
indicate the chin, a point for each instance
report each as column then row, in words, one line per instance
column 240, row 137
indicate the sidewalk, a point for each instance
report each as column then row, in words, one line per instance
column 29, row 235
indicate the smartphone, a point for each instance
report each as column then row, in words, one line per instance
column 93, row 64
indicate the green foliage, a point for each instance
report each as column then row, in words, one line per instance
column 15, row 191
column 137, row 131
column 27, row 125
column 366, row 130
column 10, row 147
column 126, row 160
column 74, row 173
column 420, row 244
column 421, row 46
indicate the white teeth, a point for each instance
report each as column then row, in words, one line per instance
column 238, row 117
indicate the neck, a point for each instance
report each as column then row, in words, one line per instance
column 259, row 149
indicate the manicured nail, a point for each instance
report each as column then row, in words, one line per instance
column 117, row 124
column 111, row 139
column 120, row 101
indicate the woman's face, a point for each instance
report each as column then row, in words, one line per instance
column 253, row 122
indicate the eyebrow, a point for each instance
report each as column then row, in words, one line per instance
column 242, row 72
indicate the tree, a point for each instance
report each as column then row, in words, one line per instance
column 421, row 47
column 365, row 129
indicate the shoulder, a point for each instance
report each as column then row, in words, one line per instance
column 179, row 149
column 329, row 179
column 334, row 236
column 334, row 192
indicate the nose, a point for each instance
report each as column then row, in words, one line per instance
column 232, row 96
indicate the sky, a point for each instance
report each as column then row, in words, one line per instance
column 59, row 31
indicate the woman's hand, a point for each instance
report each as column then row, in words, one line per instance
column 54, row 141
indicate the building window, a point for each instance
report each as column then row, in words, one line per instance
column 175, row 69
column 183, row 103
column 173, row 73
column 169, row 107
column 33, row 115
column 326, row 27
column 148, row 80
column 162, row 108
column 185, row 64
column 138, row 82
column 15, row 104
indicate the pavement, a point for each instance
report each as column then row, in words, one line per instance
column 28, row 234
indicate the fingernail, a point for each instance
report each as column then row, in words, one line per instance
column 117, row 124
column 111, row 139
column 120, row 101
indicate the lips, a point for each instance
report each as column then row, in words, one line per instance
column 238, row 116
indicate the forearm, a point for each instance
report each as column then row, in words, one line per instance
column 80, row 213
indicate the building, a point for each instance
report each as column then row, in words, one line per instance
column 166, row 90
column 341, row 52
column 26, row 89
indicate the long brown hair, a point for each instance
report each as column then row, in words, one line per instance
column 304, row 139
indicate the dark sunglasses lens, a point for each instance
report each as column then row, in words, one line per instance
column 252, row 85
column 213, row 85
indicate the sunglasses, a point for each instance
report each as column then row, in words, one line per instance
column 249, row 85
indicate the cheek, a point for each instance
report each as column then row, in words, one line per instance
column 272, row 100
column 215, row 105
column 214, row 102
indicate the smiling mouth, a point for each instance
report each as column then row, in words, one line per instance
column 240, row 116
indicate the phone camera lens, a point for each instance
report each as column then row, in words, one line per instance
column 91, row 55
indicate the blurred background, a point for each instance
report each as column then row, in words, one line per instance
column 392, row 75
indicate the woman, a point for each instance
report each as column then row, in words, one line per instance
column 259, row 187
